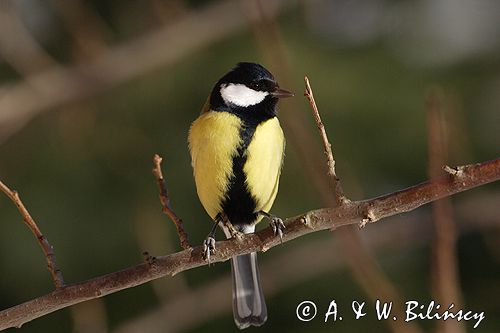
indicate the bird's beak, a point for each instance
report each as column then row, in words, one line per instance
column 282, row 93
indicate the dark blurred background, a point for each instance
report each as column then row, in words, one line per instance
column 90, row 90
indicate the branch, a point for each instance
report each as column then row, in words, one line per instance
column 165, row 202
column 463, row 178
column 336, row 186
column 47, row 249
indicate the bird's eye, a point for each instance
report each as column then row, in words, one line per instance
column 255, row 85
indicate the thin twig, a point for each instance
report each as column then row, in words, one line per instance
column 327, row 218
column 337, row 187
column 47, row 249
column 444, row 271
column 165, row 202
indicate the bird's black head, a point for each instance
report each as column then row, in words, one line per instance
column 248, row 90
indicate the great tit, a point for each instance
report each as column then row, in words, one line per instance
column 237, row 149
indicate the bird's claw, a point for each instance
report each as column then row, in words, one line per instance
column 278, row 226
column 208, row 248
column 235, row 233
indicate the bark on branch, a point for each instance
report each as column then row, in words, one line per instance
column 454, row 180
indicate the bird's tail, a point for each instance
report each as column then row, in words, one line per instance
column 249, row 306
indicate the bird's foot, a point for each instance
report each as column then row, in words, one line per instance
column 276, row 224
column 235, row 233
column 278, row 227
column 208, row 248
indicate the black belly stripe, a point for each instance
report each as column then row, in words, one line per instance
column 239, row 205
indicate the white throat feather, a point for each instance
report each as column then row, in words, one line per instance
column 241, row 95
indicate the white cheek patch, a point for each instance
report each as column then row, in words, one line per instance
column 241, row 95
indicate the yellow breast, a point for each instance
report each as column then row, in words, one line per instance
column 264, row 161
column 213, row 141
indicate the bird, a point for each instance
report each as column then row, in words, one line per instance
column 237, row 150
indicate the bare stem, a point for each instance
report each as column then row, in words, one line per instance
column 47, row 249
column 335, row 181
column 165, row 202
